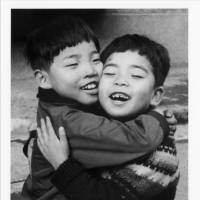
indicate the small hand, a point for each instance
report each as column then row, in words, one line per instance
column 55, row 150
column 169, row 116
column 172, row 122
column 29, row 153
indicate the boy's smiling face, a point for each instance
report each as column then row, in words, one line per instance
column 126, row 87
column 75, row 73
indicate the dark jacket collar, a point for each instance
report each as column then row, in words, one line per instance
column 51, row 96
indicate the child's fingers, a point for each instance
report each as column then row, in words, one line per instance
column 40, row 146
column 168, row 113
column 50, row 128
column 40, row 135
column 63, row 140
column 43, row 128
column 172, row 128
column 62, row 135
column 39, row 139
column 172, row 120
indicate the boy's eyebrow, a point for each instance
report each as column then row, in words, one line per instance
column 110, row 65
column 133, row 66
column 94, row 52
column 140, row 67
column 71, row 56
column 79, row 55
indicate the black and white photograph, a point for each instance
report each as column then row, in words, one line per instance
column 99, row 103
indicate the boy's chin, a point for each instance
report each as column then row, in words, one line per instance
column 117, row 115
column 89, row 100
column 122, row 115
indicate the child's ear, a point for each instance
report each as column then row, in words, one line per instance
column 157, row 96
column 42, row 79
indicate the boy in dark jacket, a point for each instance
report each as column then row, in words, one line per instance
column 134, row 71
column 65, row 58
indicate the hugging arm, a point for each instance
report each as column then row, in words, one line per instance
column 70, row 178
column 97, row 141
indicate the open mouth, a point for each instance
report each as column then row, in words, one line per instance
column 90, row 86
column 119, row 96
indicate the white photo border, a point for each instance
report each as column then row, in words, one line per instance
column 194, row 72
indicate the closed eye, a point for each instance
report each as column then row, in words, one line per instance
column 96, row 60
column 137, row 76
column 72, row 65
column 109, row 70
column 109, row 73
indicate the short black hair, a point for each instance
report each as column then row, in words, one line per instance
column 156, row 53
column 46, row 42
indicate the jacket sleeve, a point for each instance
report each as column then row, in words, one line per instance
column 76, row 183
column 97, row 141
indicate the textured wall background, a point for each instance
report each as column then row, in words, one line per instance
column 167, row 26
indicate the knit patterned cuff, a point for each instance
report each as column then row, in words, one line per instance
column 65, row 173
column 163, row 122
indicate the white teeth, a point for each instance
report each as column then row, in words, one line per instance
column 119, row 97
column 90, row 86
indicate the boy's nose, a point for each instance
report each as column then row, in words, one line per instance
column 120, row 81
column 90, row 72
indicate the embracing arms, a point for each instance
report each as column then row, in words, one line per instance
column 70, row 177
column 98, row 141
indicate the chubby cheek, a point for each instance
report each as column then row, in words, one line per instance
column 99, row 69
column 72, row 79
column 104, row 85
column 145, row 96
column 106, row 82
column 67, row 86
column 103, row 93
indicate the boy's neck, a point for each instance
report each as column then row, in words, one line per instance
column 51, row 96
column 131, row 117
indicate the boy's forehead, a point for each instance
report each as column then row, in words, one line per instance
column 81, row 48
column 129, row 58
